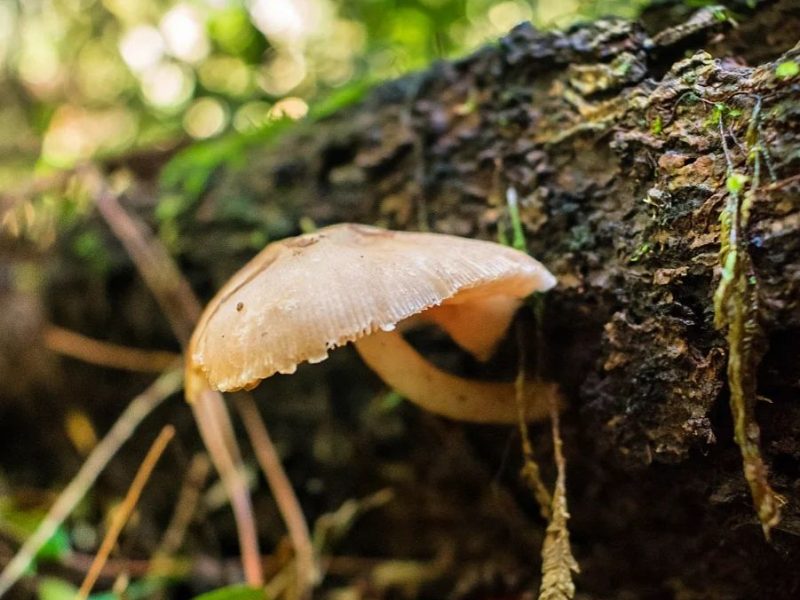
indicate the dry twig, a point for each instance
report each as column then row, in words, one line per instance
column 185, row 507
column 141, row 406
column 126, row 509
column 155, row 265
column 106, row 354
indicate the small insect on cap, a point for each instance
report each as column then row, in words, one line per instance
column 303, row 296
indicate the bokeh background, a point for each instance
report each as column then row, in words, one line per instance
column 96, row 78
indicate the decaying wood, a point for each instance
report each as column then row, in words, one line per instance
column 614, row 138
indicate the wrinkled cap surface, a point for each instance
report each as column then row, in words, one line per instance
column 303, row 296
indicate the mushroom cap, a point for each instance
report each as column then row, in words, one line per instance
column 303, row 296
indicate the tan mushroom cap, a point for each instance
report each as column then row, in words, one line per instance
column 303, row 296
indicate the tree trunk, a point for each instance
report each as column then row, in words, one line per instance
column 623, row 144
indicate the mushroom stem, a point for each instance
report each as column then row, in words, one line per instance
column 308, row 574
column 403, row 368
column 214, row 425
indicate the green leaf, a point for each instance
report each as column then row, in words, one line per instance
column 21, row 525
column 50, row 588
column 55, row 589
column 787, row 69
column 341, row 98
column 720, row 14
column 234, row 592
column 233, row 32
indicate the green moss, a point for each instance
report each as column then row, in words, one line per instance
column 721, row 111
column 736, row 307
column 657, row 126
column 580, row 237
column 787, row 69
column 735, row 183
column 640, row 252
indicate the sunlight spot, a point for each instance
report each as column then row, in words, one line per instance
column 205, row 118
column 227, row 75
column 505, row 15
column 290, row 22
column 291, row 107
column 76, row 134
column 39, row 65
column 141, row 47
column 284, row 73
column 167, row 85
column 252, row 116
column 184, row 33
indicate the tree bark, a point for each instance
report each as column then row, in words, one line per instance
column 619, row 140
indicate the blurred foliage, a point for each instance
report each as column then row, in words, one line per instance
column 50, row 588
column 93, row 78
column 234, row 592
column 19, row 524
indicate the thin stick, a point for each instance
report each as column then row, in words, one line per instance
column 288, row 504
column 106, row 354
column 182, row 309
column 139, row 408
column 155, row 265
column 214, row 571
column 126, row 508
column 185, row 507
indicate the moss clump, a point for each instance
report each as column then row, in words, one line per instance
column 736, row 307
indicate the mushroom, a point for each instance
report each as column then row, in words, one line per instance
column 303, row 296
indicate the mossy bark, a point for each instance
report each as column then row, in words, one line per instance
column 610, row 135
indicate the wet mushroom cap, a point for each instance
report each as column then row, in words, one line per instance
column 303, row 296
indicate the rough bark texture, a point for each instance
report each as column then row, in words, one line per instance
column 609, row 134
